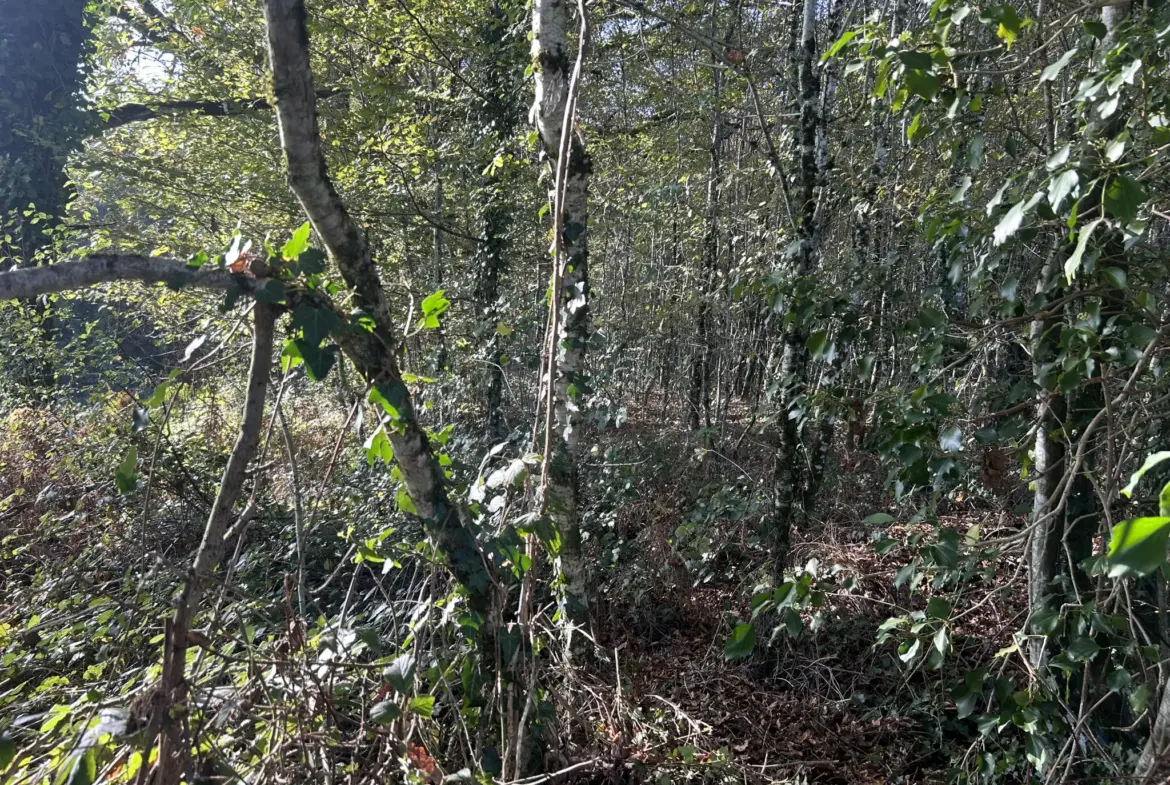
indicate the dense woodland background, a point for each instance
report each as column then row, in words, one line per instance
column 429, row 391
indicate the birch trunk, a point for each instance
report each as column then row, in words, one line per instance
column 550, row 55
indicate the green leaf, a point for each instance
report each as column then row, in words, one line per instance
column 1046, row 620
column 432, row 306
column 315, row 324
column 1082, row 649
column 839, row 44
column 917, row 128
column 1053, row 70
column 878, row 518
column 318, row 361
column 1073, row 264
column 298, row 244
column 378, row 447
column 1150, row 462
column 290, row 356
column 422, row 705
column 1060, row 186
column 741, row 643
column 1116, row 147
column 385, row 712
column 938, row 608
column 950, row 439
column 126, row 475
column 1125, row 197
column 400, row 673
column 7, row 750
column 918, row 61
column 817, row 344
column 1009, row 224
column 310, row 262
column 1096, row 29
column 924, row 85
column 1116, row 277
column 84, row 768
column 1138, row 546
column 405, row 503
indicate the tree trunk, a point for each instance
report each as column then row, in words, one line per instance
column 549, row 22
column 41, row 45
column 1049, row 449
column 373, row 352
column 791, row 461
column 500, row 113
column 173, row 748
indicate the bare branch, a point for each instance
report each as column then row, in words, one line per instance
column 109, row 119
column 28, row 282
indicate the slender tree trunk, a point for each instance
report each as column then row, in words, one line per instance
column 1049, row 452
column 791, row 460
column 372, row 351
column 500, row 113
column 699, row 398
column 173, row 749
column 550, row 53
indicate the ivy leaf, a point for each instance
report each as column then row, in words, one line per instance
column 741, row 643
column 918, row 61
column 432, row 306
column 1009, row 224
column 84, row 768
column 1150, row 462
column 314, row 323
column 1116, row 147
column 817, row 343
column 923, row 85
column 318, row 361
column 916, row 129
column 1116, row 277
column 1138, row 546
column 297, row 244
column 1053, row 70
column 126, row 475
column 422, row 705
column 385, row 712
column 405, row 503
column 1125, row 197
column 1082, row 649
column 7, row 750
column 839, row 44
column 938, row 608
column 1060, row 186
column 1009, row 22
column 1074, row 260
column 400, row 673
column 378, row 446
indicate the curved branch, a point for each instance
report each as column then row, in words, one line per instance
column 372, row 352
column 108, row 119
column 26, row 282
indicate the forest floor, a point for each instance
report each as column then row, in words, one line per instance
column 832, row 707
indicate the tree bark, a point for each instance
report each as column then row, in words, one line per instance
column 173, row 748
column 41, row 46
column 549, row 51
column 372, row 352
column 791, row 461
